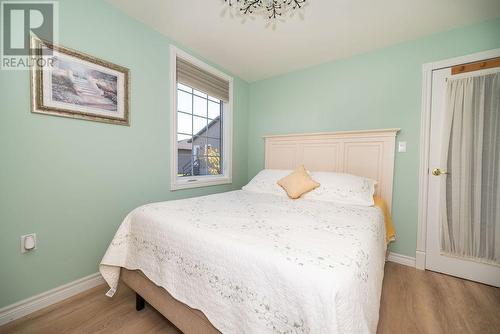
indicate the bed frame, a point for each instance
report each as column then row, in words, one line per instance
column 368, row 153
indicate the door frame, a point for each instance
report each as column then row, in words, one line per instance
column 425, row 122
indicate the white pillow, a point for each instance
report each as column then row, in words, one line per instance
column 266, row 181
column 342, row 188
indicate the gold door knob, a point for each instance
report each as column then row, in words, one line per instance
column 438, row 172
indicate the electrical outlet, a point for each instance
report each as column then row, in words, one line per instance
column 28, row 242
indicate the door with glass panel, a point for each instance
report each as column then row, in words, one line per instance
column 463, row 222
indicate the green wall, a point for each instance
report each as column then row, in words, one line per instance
column 73, row 181
column 380, row 89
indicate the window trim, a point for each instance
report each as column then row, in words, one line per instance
column 177, row 183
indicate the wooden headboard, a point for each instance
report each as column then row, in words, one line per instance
column 368, row 153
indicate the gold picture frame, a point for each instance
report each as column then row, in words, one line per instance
column 69, row 83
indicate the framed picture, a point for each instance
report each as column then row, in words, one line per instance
column 69, row 83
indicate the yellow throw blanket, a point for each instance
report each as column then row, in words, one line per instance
column 389, row 228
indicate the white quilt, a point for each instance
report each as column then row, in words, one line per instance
column 259, row 263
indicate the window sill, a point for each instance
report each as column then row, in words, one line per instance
column 199, row 182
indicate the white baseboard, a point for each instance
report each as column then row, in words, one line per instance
column 35, row 303
column 401, row 259
column 420, row 260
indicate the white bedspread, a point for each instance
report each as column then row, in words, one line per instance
column 259, row 263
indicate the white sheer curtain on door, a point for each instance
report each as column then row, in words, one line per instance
column 470, row 224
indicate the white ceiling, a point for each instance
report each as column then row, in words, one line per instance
column 331, row 29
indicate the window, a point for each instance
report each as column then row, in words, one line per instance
column 201, row 124
column 199, row 133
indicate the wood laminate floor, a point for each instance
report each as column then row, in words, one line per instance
column 412, row 302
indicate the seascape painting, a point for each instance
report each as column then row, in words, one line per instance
column 76, row 85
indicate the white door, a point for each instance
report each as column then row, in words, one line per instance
column 436, row 260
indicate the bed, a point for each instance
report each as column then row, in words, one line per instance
column 249, row 262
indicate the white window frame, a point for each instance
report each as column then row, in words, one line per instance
column 176, row 182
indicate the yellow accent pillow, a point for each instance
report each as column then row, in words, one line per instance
column 298, row 183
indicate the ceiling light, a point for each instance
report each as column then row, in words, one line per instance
column 271, row 9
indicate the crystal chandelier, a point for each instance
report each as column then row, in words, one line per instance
column 271, row 9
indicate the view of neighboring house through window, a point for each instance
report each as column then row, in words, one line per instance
column 199, row 133
column 201, row 123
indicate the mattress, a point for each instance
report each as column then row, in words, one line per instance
column 259, row 263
